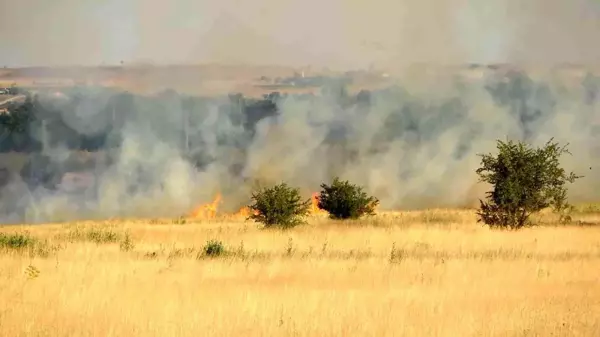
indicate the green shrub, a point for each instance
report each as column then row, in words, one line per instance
column 16, row 241
column 24, row 243
column 525, row 181
column 343, row 200
column 279, row 206
column 213, row 248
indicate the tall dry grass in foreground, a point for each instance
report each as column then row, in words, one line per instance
column 431, row 273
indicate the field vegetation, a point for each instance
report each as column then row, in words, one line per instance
column 419, row 273
column 330, row 265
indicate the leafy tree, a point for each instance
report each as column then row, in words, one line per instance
column 343, row 200
column 18, row 116
column 525, row 180
column 14, row 122
column 278, row 206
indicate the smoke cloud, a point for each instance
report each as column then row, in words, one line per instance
column 410, row 148
column 412, row 145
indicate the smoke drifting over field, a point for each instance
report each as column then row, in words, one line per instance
column 410, row 147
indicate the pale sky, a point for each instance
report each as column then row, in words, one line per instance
column 334, row 33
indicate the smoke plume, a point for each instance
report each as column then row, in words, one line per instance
column 409, row 147
column 413, row 144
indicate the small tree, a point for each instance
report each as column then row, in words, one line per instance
column 18, row 116
column 343, row 200
column 525, row 181
column 279, row 206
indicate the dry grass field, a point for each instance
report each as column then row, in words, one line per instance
column 425, row 273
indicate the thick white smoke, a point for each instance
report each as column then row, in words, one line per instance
column 409, row 148
column 412, row 145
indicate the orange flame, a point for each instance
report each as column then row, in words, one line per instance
column 207, row 211
column 245, row 212
column 314, row 207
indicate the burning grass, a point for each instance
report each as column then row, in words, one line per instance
column 210, row 211
column 427, row 273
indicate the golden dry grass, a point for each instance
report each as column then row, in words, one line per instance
column 429, row 273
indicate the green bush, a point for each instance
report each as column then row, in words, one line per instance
column 279, row 206
column 24, row 243
column 213, row 248
column 16, row 241
column 343, row 200
column 525, row 181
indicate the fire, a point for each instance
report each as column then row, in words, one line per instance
column 245, row 212
column 314, row 207
column 207, row 211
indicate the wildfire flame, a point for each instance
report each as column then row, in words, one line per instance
column 245, row 212
column 314, row 207
column 207, row 211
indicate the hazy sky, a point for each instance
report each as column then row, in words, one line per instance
column 342, row 33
